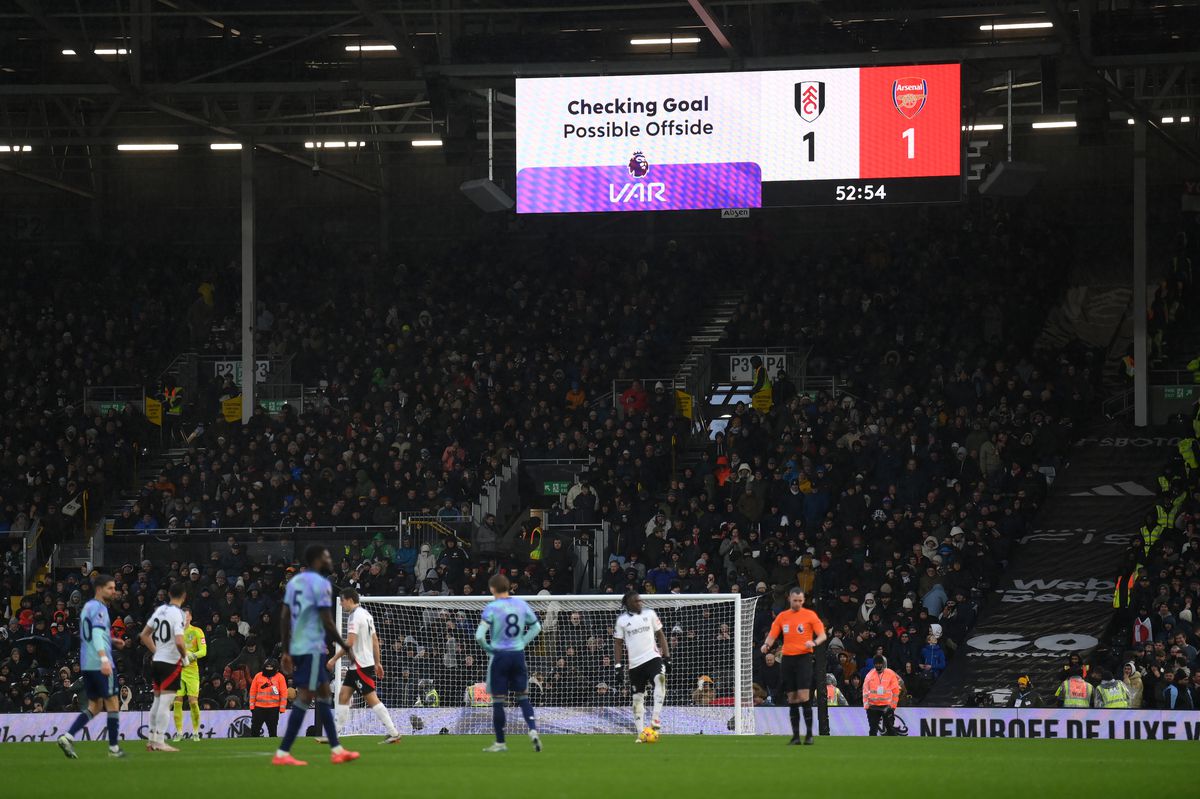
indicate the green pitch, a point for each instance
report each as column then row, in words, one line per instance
column 611, row 767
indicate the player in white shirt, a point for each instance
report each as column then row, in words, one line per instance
column 639, row 633
column 163, row 636
column 366, row 668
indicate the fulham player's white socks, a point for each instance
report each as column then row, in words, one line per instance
column 341, row 717
column 639, row 711
column 385, row 718
column 660, row 696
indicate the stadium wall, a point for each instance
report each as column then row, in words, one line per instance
column 923, row 722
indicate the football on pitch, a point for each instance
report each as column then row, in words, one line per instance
column 648, row 736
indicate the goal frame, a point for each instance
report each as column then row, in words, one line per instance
column 743, row 645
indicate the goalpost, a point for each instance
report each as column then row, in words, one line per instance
column 435, row 672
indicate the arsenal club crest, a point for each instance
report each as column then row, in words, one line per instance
column 908, row 95
column 810, row 99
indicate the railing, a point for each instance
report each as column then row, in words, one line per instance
column 29, row 555
column 553, row 473
column 1171, row 377
column 1118, row 404
column 260, row 544
column 434, row 529
column 813, row 383
column 501, row 496
column 102, row 399
column 184, row 367
column 273, row 396
column 589, row 543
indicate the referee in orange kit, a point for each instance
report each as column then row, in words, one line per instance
column 802, row 632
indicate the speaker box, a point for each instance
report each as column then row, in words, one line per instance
column 487, row 195
column 1011, row 179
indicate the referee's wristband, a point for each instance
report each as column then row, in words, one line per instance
column 104, row 658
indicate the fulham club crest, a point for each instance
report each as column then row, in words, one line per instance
column 810, row 99
column 908, row 95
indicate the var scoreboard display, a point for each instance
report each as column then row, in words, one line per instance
column 853, row 136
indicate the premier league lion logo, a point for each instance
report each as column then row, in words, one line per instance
column 638, row 167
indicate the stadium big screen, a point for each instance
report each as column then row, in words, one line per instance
column 739, row 139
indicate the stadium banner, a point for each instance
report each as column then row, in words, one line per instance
column 1056, row 598
column 725, row 140
column 925, row 722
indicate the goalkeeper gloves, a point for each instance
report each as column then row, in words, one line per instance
column 618, row 674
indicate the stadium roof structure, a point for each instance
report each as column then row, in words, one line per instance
column 370, row 77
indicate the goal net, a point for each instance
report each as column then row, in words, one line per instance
column 435, row 673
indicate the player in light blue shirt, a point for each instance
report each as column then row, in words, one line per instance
column 507, row 627
column 307, row 617
column 99, row 672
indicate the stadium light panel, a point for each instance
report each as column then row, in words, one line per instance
column 1062, row 123
column 15, row 148
column 1168, row 120
column 1129, row 121
column 427, row 143
column 1185, row 120
column 671, row 40
column 225, row 145
column 146, row 148
column 370, row 48
column 1015, row 26
column 988, row 126
column 103, row 51
column 332, row 145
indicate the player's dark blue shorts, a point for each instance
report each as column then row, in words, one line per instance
column 97, row 686
column 507, row 674
column 309, row 671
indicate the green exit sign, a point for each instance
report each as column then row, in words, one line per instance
column 1179, row 392
column 558, row 487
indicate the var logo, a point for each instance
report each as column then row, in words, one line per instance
column 637, row 192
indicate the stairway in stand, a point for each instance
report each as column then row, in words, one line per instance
column 147, row 471
column 694, row 363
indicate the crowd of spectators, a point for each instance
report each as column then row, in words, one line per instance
column 1154, row 643
column 59, row 461
column 430, row 375
column 892, row 503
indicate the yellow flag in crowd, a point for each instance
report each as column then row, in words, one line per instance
column 683, row 404
column 762, row 400
column 154, row 411
column 231, row 409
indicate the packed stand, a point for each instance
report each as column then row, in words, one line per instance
column 62, row 331
column 1154, row 643
column 893, row 505
column 431, row 375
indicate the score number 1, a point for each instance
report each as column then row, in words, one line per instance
column 909, row 136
